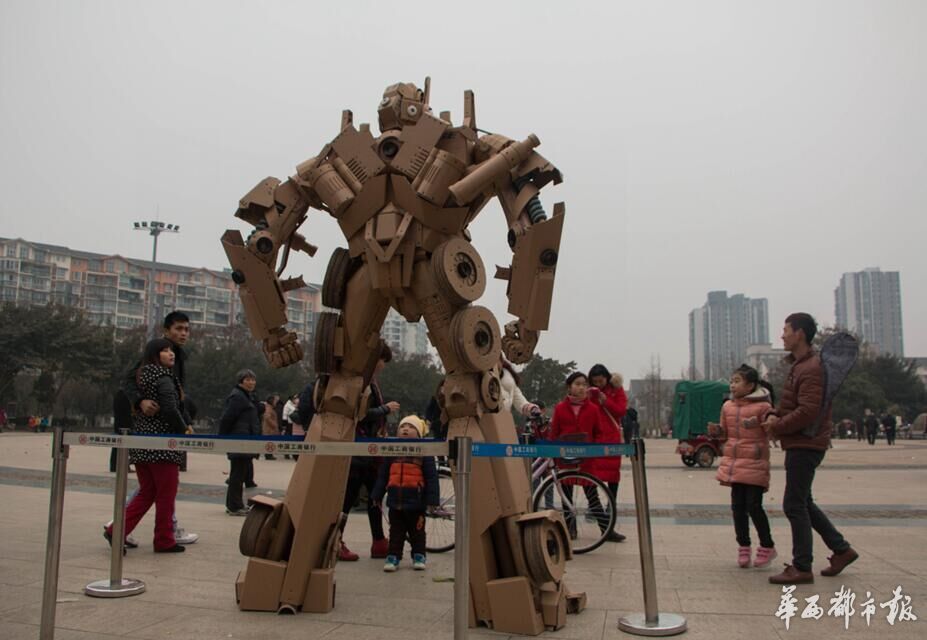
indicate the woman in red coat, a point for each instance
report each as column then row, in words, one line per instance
column 577, row 418
column 608, row 393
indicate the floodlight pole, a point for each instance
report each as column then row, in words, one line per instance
column 154, row 229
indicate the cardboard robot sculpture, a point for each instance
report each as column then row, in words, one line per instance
column 404, row 201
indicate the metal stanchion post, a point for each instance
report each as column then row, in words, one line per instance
column 53, row 538
column 117, row 586
column 462, row 539
column 651, row 622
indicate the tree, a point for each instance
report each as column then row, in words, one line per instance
column 411, row 381
column 57, row 341
column 216, row 355
column 543, row 379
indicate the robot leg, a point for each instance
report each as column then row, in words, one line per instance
column 293, row 544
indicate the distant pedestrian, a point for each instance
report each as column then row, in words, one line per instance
column 871, row 424
column 889, row 425
column 805, row 436
column 240, row 418
column 744, row 464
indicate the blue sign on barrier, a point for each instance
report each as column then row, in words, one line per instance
column 551, row 450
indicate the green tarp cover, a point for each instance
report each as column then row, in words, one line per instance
column 695, row 404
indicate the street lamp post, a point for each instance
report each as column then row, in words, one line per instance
column 154, row 228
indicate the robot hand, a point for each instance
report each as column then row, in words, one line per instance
column 282, row 349
column 518, row 343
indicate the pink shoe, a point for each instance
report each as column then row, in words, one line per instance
column 764, row 556
column 743, row 557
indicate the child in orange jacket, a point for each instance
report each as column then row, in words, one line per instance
column 744, row 465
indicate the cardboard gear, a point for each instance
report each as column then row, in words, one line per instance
column 404, row 201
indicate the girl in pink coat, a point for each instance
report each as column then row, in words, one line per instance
column 744, row 465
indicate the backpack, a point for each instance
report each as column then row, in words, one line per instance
column 838, row 355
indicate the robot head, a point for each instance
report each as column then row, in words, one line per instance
column 402, row 104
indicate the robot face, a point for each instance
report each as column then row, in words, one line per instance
column 402, row 104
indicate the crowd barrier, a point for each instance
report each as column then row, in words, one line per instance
column 461, row 450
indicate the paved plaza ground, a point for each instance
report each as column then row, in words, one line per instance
column 875, row 494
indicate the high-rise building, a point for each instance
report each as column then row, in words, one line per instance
column 113, row 290
column 720, row 332
column 868, row 303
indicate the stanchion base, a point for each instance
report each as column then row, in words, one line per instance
column 107, row 589
column 667, row 624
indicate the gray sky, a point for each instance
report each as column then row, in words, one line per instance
column 761, row 148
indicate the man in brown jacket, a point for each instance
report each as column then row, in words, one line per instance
column 803, row 427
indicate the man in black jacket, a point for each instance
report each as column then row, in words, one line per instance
column 240, row 418
column 128, row 399
column 363, row 471
column 871, row 424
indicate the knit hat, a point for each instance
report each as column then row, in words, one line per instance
column 416, row 423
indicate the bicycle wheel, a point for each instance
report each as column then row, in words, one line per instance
column 587, row 505
column 439, row 526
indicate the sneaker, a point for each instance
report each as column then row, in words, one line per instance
column 839, row 561
column 175, row 549
column 182, row 537
column 791, row 575
column 238, row 512
column 250, row 485
column 347, row 555
column 379, row 548
column 764, row 555
column 743, row 557
column 418, row 561
column 392, row 564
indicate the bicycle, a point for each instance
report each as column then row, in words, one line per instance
column 553, row 489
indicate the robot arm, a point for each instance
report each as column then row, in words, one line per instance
column 276, row 210
column 515, row 173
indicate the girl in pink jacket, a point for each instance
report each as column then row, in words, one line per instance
column 744, row 465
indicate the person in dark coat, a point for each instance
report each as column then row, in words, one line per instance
column 240, row 417
column 799, row 409
column 129, row 400
column 872, row 426
column 411, row 488
column 158, row 471
column 363, row 472
column 888, row 426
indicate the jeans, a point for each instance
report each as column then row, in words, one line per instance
column 803, row 514
column 747, row 504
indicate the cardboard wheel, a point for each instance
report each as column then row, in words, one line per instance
column 325, row 342
column 545, row 551
column 340, row 267
column 490, row 390
column 256, row 531
column 477, row 341
column 459, row 271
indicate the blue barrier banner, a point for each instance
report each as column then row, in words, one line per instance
column 551, row 450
